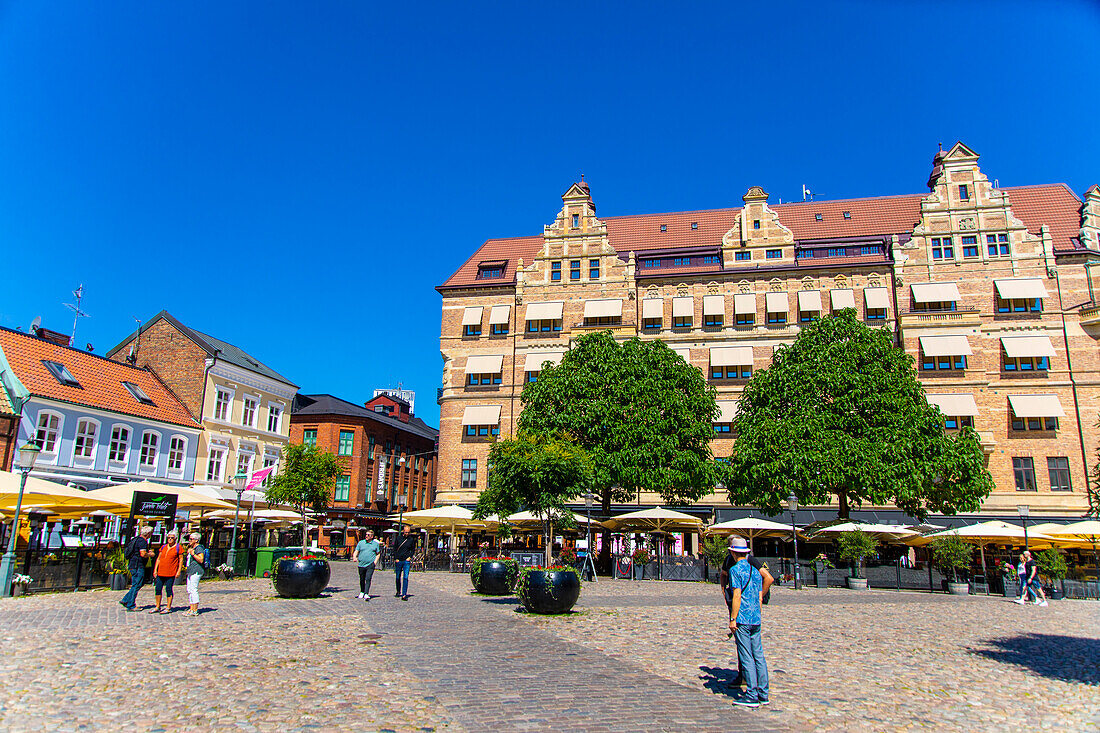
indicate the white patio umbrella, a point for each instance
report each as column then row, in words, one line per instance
column 751, row 528
column 50, row 495
column 450, row 517
column 994, row 532
column 185, row 497
column 529, row 518
column 881, row 532
column 1086, row 532
column 657, row 519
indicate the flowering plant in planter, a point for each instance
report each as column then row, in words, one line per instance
column 545, row 594
column 824, row 560
column 511, row 570
column 640, row 556
column 568, row 556
column 20, row 579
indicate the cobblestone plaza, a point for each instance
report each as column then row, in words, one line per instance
column 635, row 656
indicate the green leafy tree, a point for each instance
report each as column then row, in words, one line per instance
column 306, row 480
column 536, row 473
column 841, row 414
column 953, row 554
column 855, row 547
column 641, row 413
column 1052, row 564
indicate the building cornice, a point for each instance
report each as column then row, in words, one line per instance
column 234, row 373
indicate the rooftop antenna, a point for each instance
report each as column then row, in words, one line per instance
column 77, row 313
column 36, row 324
column 807, row 194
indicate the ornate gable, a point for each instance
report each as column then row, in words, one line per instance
column 757, row 228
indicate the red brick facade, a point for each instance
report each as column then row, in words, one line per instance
column 176, row 359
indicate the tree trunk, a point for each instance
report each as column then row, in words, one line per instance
column 604, row 559
column 305, row 529
column 842, row 501
column 548, row 530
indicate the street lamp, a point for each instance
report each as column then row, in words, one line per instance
column 238, row 486
column 792, row 506
column 28, row 454
column 402, row 502
column 1023, row 510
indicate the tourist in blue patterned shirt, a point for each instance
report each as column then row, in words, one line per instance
column 747, row 585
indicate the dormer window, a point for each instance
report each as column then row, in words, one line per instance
column 664, row 227
column 694, row 225
column 61, row 373
column 818, row 217
column 491, row 270
column 138, row 393
column 576, row 220
column 847, row 215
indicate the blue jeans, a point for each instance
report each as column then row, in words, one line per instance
column 137, row 575
column 401, row 568
column 750, row 657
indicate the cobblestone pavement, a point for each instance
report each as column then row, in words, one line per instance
column 637, row 656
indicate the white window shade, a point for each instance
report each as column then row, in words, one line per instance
column 481, row 415
column 728, row 410
column 499, row 314
column 472, row 316
column 1017, row 347
column 683, row 307
column 945, row 346
column 1020, row 288
column 808, row 301
column 603, row 308
column 936, row 293
column 842, row 299
column 744, row 304
column 684, row 352
column 653, row 308
column 730, row 355
column 548, row 311
column 533, row 362
column 876, row 298
column 486, row 364
column 777, row 302
column 714, row 305
column 1036, row 405
column 954, row 405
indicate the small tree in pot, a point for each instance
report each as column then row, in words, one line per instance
column 855, row 547
column 1052, row 566
column 953, row 554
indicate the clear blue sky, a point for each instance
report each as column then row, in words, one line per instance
column 295, row 178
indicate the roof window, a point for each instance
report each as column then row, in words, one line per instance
column 694, row 225
column 490, row 270
column 138, row 393
column 847, row 215
column 817, row 217
column 664, row 227
column 61, row 373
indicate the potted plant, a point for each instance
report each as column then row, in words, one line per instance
column 953, row 554
column 568, row 556
column 548, row 590
column 713, row 548
column 118, row 572
column 1052, row 566
column 300, row 576
column 822, row 564
column 494, row 576
column 225, row 571
column 1009, row 579
column 19, row 584
column 640, row 558
column 855, row 547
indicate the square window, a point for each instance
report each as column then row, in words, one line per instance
column 61, row 373
column 743, row 255
column 746, row 319
column 942, row 248
column 876, row 314
column 773, row 254
column 818, row 217
column 472, row 330
column 650, row 324
column 681, row 322
column 138, row 393
column 712, row 321
column 500, row 329
column 777, row 318
column 309, row 437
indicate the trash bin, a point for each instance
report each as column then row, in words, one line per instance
column 268, row 556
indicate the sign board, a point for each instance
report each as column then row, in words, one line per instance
column 528, row 559
column 153, row 504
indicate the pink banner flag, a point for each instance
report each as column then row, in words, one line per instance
column 258, row 477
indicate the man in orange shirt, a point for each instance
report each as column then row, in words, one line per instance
column 165, row 570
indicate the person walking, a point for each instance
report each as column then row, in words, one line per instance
column 196, row 568
column 727, row 589
column 748, row 584
column 404, row 545
column 1021, row 579
column 165, row 569
column 136, row 551
column 1034, row 587
column 366, row 557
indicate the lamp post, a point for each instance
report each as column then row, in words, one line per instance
column 28, row 454
column 792, row 506
column 1023, row 510
column 238, row 486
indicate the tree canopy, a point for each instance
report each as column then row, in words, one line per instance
column 840, row 413
column 306, row 480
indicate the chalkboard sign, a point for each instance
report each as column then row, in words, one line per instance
column 153, row 504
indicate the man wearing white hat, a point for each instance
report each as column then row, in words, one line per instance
column 748, row 589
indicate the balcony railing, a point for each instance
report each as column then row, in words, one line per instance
column 1090, row 314
column 917, row 319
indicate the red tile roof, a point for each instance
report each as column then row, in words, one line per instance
column 1054, row 205
column 100, row 380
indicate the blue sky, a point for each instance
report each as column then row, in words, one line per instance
column 295, row 178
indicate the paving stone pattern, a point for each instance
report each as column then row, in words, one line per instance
column 637, row 656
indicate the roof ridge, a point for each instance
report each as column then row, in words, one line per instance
column 83, row 352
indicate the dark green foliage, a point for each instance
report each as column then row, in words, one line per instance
column 855, row 547
column 1052, row 564
column 714, row 549
column 305, row 481
column 952, row 553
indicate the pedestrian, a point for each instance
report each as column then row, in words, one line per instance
column 404, row 545
column 748, row 592
column 165, row 569
column 366, row 557
column 1034, row 587
column 1021, row 579
column 136, row 551
column 727, row 589
column 196, row 568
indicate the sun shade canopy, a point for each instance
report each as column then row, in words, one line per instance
column 955, row 405
column 744, row 304
column 777, row 302
column 876, row 298
column 842, row 299
column 533, row 362
column 1020, row 287
column 945, row 346
column 472, row 316
column 481, row 415
column 548, row 311
column 683, row 307
column 714, row 305
column 936, row 293
column 1036, row 405
column 653, row 308
column 603, row 308
column 499, row 314
column 488, row 364
column 1024, row 346
column 730, row 355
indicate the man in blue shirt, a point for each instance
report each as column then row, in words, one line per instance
column 366, row 557
column 746, row 583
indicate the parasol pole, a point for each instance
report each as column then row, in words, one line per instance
column 981, row 549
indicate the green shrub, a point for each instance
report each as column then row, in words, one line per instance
column 714, row 549
column 855, row 547
column 1052, row 564
column 952, row 553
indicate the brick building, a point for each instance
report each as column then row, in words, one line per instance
column 388, row 453
column 990, row 289
column 243, row 404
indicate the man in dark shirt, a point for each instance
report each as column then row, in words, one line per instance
column 136, row 551
column 727, row 590
column 1031, row 579
column 404, row 545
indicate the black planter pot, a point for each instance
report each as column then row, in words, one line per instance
column 550, row 591
column 119, row 581
column 494, row 578
column 302, row 578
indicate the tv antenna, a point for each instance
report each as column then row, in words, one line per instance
column 77, row 313
column 807, row 194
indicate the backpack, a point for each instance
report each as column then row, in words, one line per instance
column 131, row 549
column 205, row 558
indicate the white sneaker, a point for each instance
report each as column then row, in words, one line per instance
column 360, row 595
column 1021, row 601
column 1042, row 603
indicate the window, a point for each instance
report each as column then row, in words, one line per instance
column 49, row 427
column 1026, row 363
column 61, row 373
column 694, row 225
column 712, row 260
column 681, row 322
column 721, row 427
column 755, row 223
column 120, row 444
column 177, row 448
column 555, row 271
column 309, row 437
column 149, row 444
column 651, row 324
column 847, row 215
column 808, row 316
column 731, row 372
column 1023, row 470
column 958, row 422
column 664, row 227
column 84, row 445
column 543, row 326
column 997, row 245
column 773, row 254
column 777, row 318
column 876, row 314
column 343, row 488
column 942, row 248
column 500, row 329
column 946, row 305
column 970, row 246
column 1019, row 305
column 472, row 330
column 482, row 431
column 604, row 321
column 469, row 473
column 651, row 262
column 745, row 319
column 576, row 220
column 215, row 463
column 490, row 270
column 712, row 321
column 575, row 270
column 347, row 442
column 244, row 463
column 593, row 269
column 1026, row 424
column 942, row 363
column 370, row 446
column 531, row 377
column 964, row 192
column 1058, row 468
column 274, row 418
column 483, row 380
column 221, row 405
column 248, row 412
column 138, row 393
